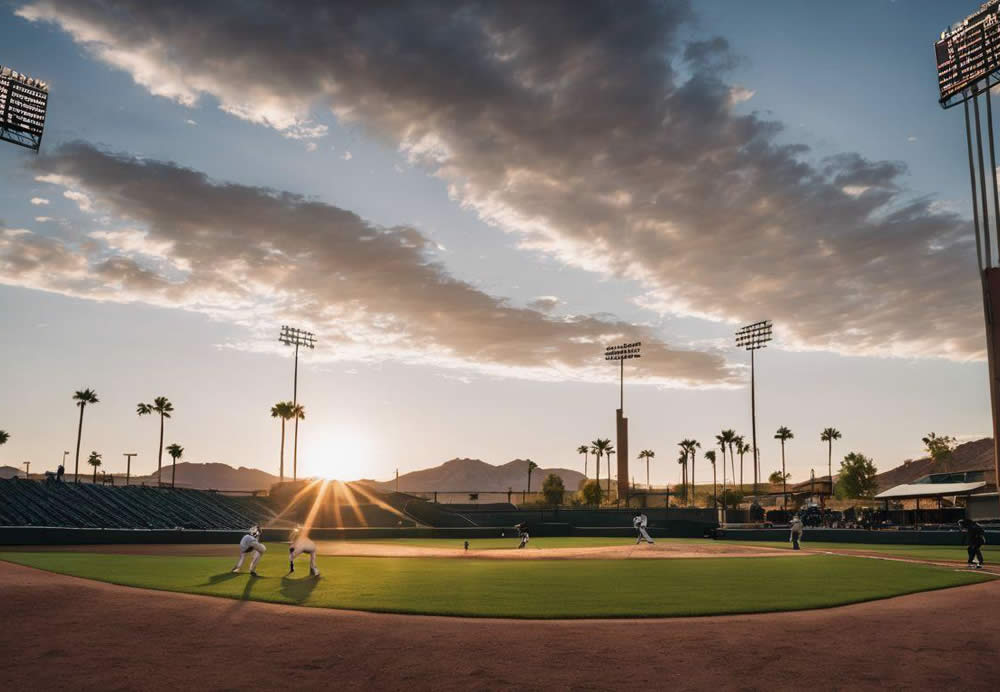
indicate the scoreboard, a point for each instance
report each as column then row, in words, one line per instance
column 23, row 102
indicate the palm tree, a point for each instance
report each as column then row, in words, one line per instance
column 729, row 436
column 297, row 412
column 647, row 454
column 683, row 461
column 742, row 448
column 282, row 410
column 829, row 435
column 720, row 440
column 584, row 450
column 4, row 436
column 82, row 397
column 600, row 447
column 531, row 467
column 175, row 451
column 783, row 434
column 608, row 452
column 710, row 455
column 694, row 445
column 162, row 406
column 689, row 446
column 94, row 460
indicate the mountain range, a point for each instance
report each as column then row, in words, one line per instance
column 459, row 475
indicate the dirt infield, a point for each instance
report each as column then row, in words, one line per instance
column 64, row 633
column 693, row 549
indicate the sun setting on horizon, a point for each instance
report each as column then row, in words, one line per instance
column 340, row 453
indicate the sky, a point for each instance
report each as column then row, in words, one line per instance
column 467, row 202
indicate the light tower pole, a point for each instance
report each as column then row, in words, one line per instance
column 27, row 470
column 128, row 464
column 969, row 67
column 752, row 337
column 290, row 336
column 621, row 353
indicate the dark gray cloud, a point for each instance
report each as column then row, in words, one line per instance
column 258, row 256
column 595, row 131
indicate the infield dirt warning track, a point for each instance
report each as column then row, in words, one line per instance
column 65, row 633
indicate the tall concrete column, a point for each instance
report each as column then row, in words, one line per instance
column 622, row 427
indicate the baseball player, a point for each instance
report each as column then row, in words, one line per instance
column 796, row 534
column 299, row 543
column 250, row 543
column 640, row 521
column 975, row 538
column 522, row 531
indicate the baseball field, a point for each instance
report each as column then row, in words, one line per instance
column 553, row 578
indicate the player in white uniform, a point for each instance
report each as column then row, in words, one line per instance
column 299, row 543
column 250, row 544
column 640, row 521
column 796, row 532
column 522, row 531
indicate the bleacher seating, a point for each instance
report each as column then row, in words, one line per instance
column 85, row 505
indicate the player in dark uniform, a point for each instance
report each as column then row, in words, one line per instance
column 975, row 538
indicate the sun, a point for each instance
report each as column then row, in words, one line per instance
column 335, row 453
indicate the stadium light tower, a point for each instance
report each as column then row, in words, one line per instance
column 968, row 65
column 128, row 467
column 621, row 353
column 752, row 337
column 290, row 336
column 23, row 104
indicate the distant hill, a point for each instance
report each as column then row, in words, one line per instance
column 214, row 476
column 971, row 456
column 473, row 474
column 10, row 472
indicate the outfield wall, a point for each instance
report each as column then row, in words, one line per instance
column 890, row 537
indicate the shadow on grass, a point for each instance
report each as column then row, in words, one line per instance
column 220, row 578
column 298, row 590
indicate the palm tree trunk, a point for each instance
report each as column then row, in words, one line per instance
column 95, row 476
column 715, row 495
column 829, row 464
column 529, row 480
column 784, row 480
column 173, row 472
column 79, row 434
column 732, row 466
column 586, row 458
column 159, row 458
column 733, row 457
column 693, row 498
column 647, row 475
column 281, row 470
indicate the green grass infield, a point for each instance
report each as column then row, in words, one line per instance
column 524, row 588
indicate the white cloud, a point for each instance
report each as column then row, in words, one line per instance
column 39, row 201
column 43, row 219
column 82, row 200
column 739, row 94
column 347, row 156
column 191, row 122
column 310, row 146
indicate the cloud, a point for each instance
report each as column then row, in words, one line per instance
column 43, row 219
column 596, row 135
column 82, row 200
column 257, row 257
column 190, row 122
column 310, row 146
column 39, row 201
column 347, row 156
column 544, row 303
column 739, row 94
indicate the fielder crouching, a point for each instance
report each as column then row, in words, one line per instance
column 299, row 543
column 250, row 543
